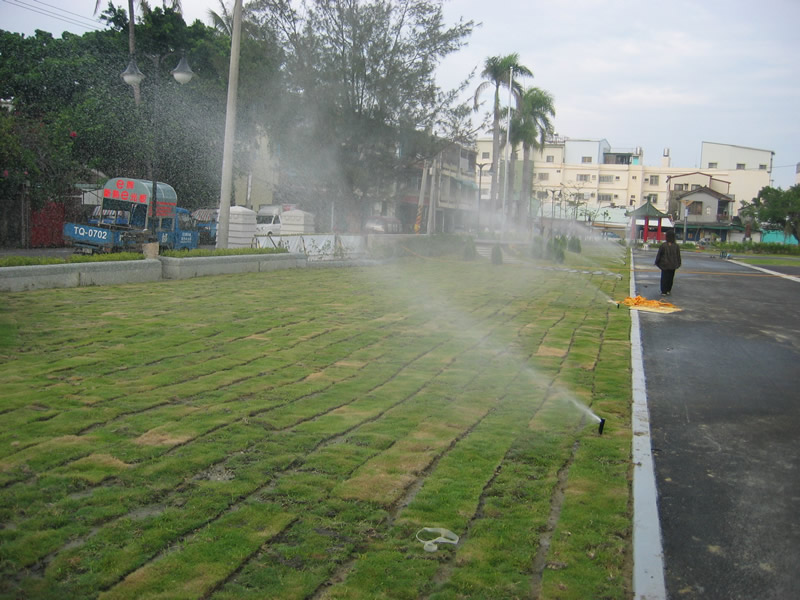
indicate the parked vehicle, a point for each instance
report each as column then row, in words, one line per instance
column 379, row 224
column 268, row 220
column 125, row 220
column 206, row 220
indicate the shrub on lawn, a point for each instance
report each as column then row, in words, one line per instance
column 574, row 245
column 497, row 255
column 556, row 249
column 470, row 252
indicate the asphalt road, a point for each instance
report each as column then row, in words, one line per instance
column 723, row 387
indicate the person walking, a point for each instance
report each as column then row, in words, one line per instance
column 668, row 259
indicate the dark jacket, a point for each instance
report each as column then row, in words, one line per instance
column 668, row 257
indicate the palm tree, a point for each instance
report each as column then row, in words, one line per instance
column 496, row 73
column 530, row 127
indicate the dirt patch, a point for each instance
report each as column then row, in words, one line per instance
column 550, row 351
column 156, row 437
column 103, row 460
column 355, row 364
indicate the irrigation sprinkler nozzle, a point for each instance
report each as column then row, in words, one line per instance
column 600, row 427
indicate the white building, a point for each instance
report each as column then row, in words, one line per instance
column 579, row 178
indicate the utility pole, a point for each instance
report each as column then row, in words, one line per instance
column 230, row 130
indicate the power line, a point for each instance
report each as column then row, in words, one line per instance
column 91, row 20
column 90, row 24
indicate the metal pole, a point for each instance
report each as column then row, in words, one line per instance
column 230, row 130
column 154, row 159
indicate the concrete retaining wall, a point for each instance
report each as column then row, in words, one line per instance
column 20, row 279
column 187, row 268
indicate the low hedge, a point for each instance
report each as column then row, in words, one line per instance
column 758, row 248
column 29, row 261
column 221, row 252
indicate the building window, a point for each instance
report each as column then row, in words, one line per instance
column 633, row 177
column 696, row 208
column 712, row 165
column 604, row 198
column 485, row 155
column 544, row 176
column 582, row 177
column 696, row 186
column 606, row 179
column 681, row 187
column 740, row 166
column 586, row 159
column 762, row 167
column 653, row 179
column 550, row 158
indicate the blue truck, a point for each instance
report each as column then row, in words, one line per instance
column 126, row 219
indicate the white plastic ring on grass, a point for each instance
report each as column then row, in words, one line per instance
column 445, row 536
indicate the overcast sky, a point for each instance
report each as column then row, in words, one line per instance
column 651, row 73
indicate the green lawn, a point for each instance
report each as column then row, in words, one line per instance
column 287, row 434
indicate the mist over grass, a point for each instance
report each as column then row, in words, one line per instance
column 286, row 434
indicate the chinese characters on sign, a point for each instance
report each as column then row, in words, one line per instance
column 122, row 191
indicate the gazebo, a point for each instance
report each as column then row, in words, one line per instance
column 647, row 211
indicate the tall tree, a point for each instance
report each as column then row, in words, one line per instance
column 530, row 127
column 362, row 76
column 776, row 207
column 497, row 74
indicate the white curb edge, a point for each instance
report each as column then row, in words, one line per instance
column 648, row 553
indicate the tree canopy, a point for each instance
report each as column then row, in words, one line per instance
column 777, row 208
column 344, row 90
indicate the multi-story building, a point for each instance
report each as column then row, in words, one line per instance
column 579, row 178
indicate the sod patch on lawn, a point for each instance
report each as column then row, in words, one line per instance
column 288, row 434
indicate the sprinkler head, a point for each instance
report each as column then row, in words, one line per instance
column 600, row 427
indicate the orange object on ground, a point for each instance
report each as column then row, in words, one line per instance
column 642, row 303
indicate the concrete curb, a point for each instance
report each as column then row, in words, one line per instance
column 204, row 266
column 21, row 279
column 648, row 552
column 763, row 270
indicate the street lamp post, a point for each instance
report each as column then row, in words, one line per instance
column 480, row 190
column 133, row 77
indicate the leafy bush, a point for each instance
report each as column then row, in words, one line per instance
column 470, row 253
column 759, row 248
column 574, row 245
column 555, row 249
column 497, row 255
